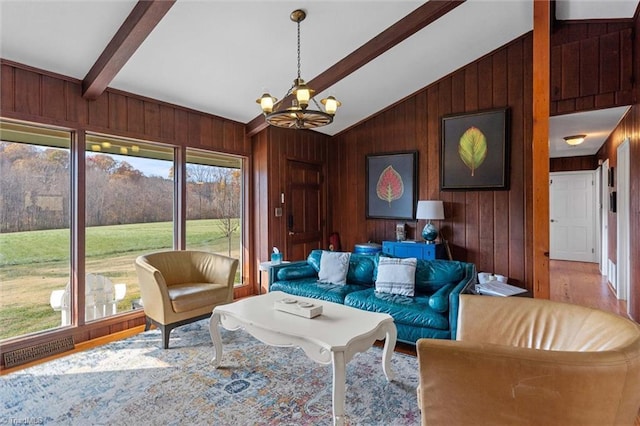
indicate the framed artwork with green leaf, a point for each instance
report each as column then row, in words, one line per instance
column 474, row 151
column 391, row 185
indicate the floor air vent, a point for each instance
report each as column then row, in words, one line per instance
column 32, row 353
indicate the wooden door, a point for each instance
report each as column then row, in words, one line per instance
column 571, row 207
column 305, row 218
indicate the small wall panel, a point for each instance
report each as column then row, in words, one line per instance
column 591, row 66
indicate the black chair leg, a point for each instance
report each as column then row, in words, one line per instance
column 165, row 336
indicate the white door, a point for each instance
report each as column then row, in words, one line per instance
column 571, row 208
column 622, row 211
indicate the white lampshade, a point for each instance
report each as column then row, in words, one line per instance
column 430, row 209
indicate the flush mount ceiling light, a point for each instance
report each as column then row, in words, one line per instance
column 575, row 139
column 298, row 115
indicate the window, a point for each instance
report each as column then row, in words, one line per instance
column 129, row 212
column 34, row 228
column 214, row 204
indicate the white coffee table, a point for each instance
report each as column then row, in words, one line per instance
column 333, row 337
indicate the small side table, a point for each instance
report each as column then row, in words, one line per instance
column 266, row 266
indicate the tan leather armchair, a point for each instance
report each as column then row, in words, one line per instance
column 522, row 361
column 178, row 287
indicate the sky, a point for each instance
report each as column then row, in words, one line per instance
column 148, row 167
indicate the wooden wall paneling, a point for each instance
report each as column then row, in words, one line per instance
column 566, row 164
column 181, row 127
column 609, row 62
column 151, row 124
column 53, row 98
column 167, row 123
column 99, row 112
column 515, row 64
column 117, row 111
column 485, row 199
column 500, row 212
column 206, row 139
column 7, row 86
column 556, row 73
column 570, row 70
column 135, row 115
column 27, row 92
column 589, row 69
column 605, row 100
column 77, row 107
column 261, row 206
column 533, row 267
column 193, row 137
column 604, row 72
column 430, row 146
column 584, row 103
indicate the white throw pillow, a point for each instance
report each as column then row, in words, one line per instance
column 397, row 276
column 334, row 267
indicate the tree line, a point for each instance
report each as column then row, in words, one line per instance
column 35, row 191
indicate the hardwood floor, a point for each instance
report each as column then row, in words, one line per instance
column 580, row 283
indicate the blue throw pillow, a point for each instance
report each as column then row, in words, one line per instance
column 439, row 301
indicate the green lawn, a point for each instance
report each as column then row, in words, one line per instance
column 32, row 264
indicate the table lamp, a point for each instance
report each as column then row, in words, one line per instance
column 430, row 210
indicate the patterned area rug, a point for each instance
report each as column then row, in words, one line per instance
column 134, row 381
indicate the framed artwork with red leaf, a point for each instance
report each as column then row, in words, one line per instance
column 474, row 151
column 391, row 185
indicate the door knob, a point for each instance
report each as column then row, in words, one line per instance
column 291, row 233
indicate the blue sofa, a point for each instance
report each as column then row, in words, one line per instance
column 431, row 313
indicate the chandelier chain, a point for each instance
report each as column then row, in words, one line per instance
column 298, row 49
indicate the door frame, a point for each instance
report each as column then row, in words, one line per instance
column 604, row 218
column 622, row 211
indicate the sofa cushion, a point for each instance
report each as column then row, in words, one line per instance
column 334, row 267
column 296, row 272
column 431, row 275
column 310, row 287
column 414, row 311
column 396, row 276
column 314, row 259
column 361, row 267
column 439, row 301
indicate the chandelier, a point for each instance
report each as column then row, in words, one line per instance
column 298, row 115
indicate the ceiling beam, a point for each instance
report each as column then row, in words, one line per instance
column 395, row 34
column 134, row 30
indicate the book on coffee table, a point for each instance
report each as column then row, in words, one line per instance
column 497, row 288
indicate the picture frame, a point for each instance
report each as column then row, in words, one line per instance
column 474, row 151
column 611, row 177
column 613, row 199
column 391, row 185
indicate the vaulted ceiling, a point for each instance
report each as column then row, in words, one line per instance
column 219, row 56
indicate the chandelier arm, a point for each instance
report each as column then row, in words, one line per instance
column 317, row 104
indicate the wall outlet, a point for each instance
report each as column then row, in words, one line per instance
column 278, row 211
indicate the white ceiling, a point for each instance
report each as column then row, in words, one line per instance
column 219, row 56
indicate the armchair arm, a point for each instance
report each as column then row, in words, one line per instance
column 472, row 383
column 153, row 289
column 273, row 269
column 454, row 297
